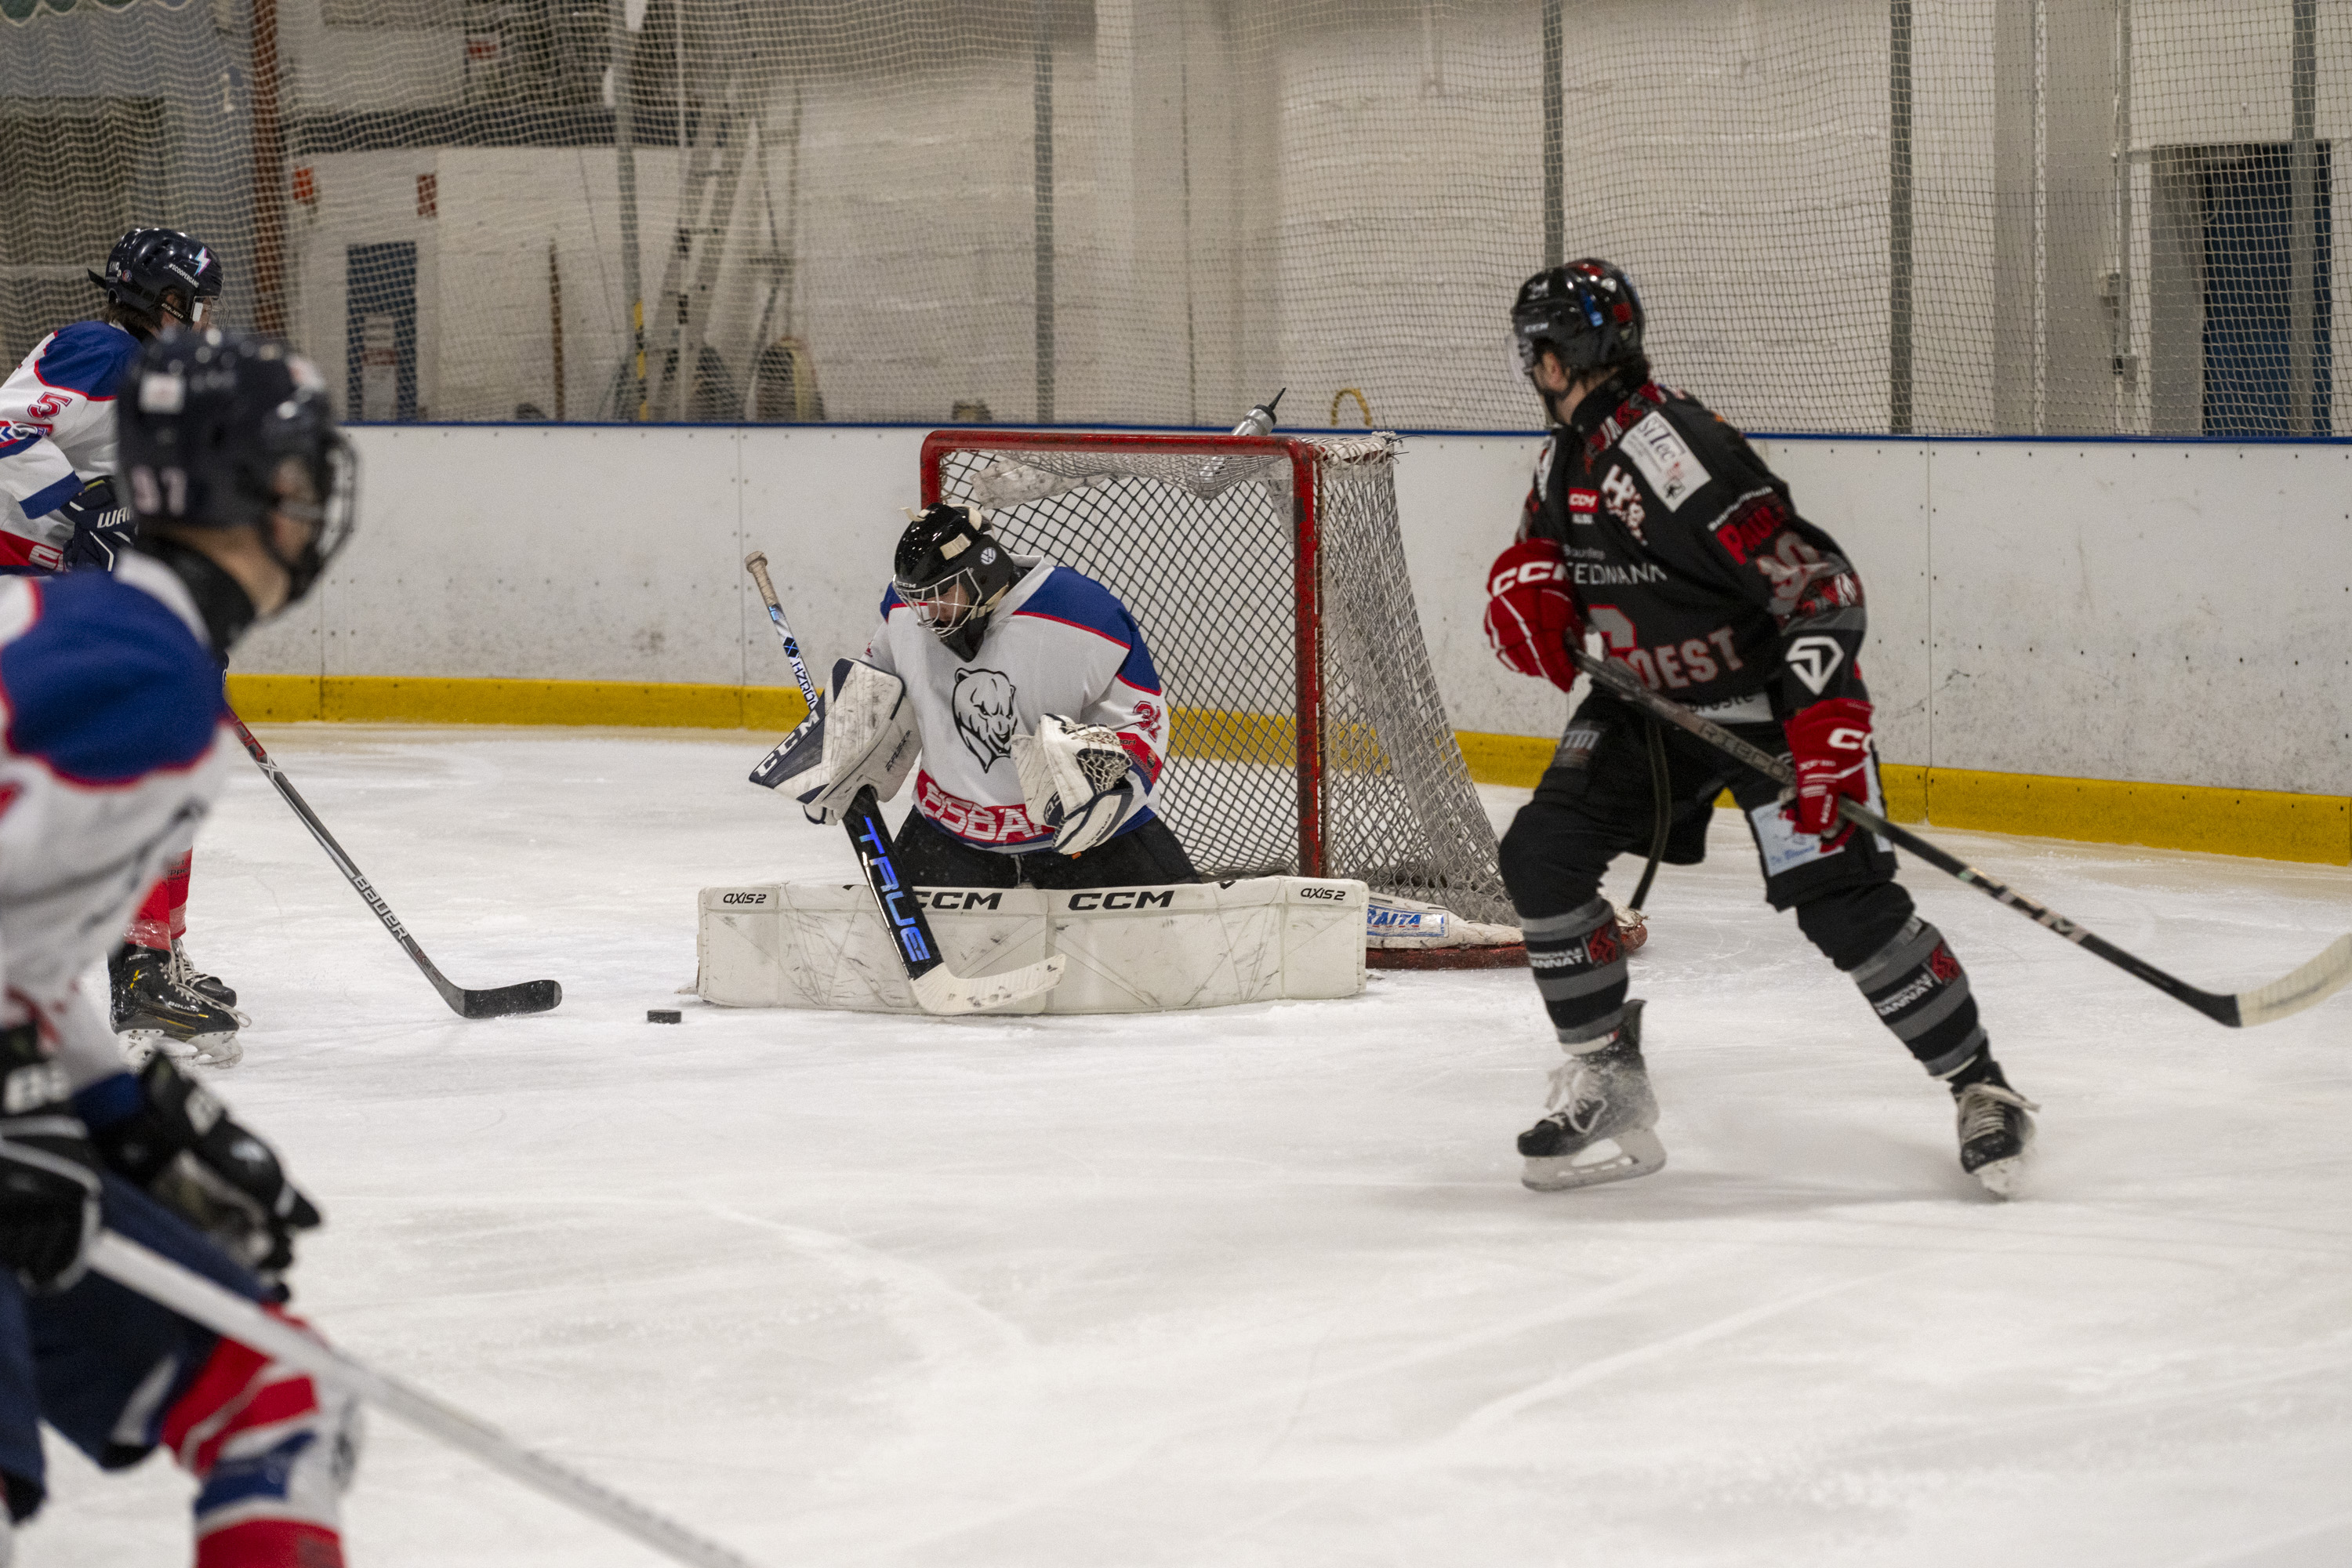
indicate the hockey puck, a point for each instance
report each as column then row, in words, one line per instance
column 663, row 1016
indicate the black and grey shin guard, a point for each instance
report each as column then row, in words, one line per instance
column 1919, row 991
column 1579, row 963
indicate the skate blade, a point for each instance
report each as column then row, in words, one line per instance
column 2006, row 1179
column 222, row 1049
column 1635, row 1153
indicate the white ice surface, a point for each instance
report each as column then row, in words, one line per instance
column 1260, row 1286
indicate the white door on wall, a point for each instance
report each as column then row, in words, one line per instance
column 379, row 395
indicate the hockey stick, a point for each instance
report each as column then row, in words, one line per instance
column 499, row 1002
column 2307, row 986
column 938, row 988
column 198, row 1300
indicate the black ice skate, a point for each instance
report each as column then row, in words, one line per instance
column 154, row 1011
column 211, row 987
column 1602, row 1130
column 1996, row 1136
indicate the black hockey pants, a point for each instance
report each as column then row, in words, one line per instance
column 1595, row 802
column 1143, row 856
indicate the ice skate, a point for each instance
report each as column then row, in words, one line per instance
column 153, row 1011
column 1602, row 1130
column 211, row 987
column 1996, row 1136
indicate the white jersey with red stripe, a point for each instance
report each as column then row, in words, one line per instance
column 113, row 746
column 1059, row 642
column 56, row 433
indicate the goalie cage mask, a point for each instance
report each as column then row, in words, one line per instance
column 1586, row 312
column 952, row 574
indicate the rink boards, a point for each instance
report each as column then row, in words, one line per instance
column 821, row 944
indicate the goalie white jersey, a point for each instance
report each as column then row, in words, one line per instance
column 1060, row 643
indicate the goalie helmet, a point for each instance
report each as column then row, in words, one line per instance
column 952, row 573
column 220, row 429
column 1586, row 312
column 148, row 263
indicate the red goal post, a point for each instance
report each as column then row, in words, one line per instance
column 1267, row 573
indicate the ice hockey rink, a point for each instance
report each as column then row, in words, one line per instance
column 1260, row 1286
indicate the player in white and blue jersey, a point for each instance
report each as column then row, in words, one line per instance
column 60, row 510
column 116, row 748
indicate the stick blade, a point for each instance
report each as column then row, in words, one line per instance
column 509, row 1001
column 2308, row 987
column 946, row 994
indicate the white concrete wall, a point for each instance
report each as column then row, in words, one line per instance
column 2171, row 613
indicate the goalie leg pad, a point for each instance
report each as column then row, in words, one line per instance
column 862, row 734
column 1078, row 780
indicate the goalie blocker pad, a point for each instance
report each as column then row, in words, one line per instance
column 820, row 943
column 861, row 733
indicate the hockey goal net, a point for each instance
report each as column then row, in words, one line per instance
column 1307, row 736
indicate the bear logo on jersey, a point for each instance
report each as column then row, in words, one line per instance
column 983, row 713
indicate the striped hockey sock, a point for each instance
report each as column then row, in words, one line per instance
column 1920, row 991
column 1579, row 963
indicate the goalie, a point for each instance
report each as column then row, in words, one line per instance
column 1028, row 690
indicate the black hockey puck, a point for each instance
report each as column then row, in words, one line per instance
column 663, row 1016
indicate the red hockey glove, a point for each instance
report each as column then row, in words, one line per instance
column 1531, row 620
column 1830, row 745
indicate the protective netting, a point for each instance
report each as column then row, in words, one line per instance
column 1201, row 545
column 1980, row 216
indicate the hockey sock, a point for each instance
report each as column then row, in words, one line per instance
column 1579, row 965
column 163, row 913
column 1920, row 991
column 273, row 1452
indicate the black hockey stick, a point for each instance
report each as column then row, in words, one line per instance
column 938, row 988
column 529, row 996
column 2307, row 986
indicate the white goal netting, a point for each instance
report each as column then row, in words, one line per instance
column 1931, row 216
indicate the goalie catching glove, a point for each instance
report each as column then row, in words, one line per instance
column 1078, row 781
column 863, row 734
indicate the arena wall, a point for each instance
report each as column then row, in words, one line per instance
column 2120, row 625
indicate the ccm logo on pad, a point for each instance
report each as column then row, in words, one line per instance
column 957, row 899
column 1128, row 899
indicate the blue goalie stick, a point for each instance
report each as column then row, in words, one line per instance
column 2308, row 986
column 938, row 989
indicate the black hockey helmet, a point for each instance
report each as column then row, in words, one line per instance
column 1586, row 312
column 218, row 429
column 951, row 572
column 148, row 263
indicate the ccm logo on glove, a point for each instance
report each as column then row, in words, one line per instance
column 1531, row 618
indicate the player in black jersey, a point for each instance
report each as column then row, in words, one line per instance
column 1655, row 525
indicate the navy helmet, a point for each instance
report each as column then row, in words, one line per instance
column 1586, row 312
column 148, row 263
column 219, row 430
